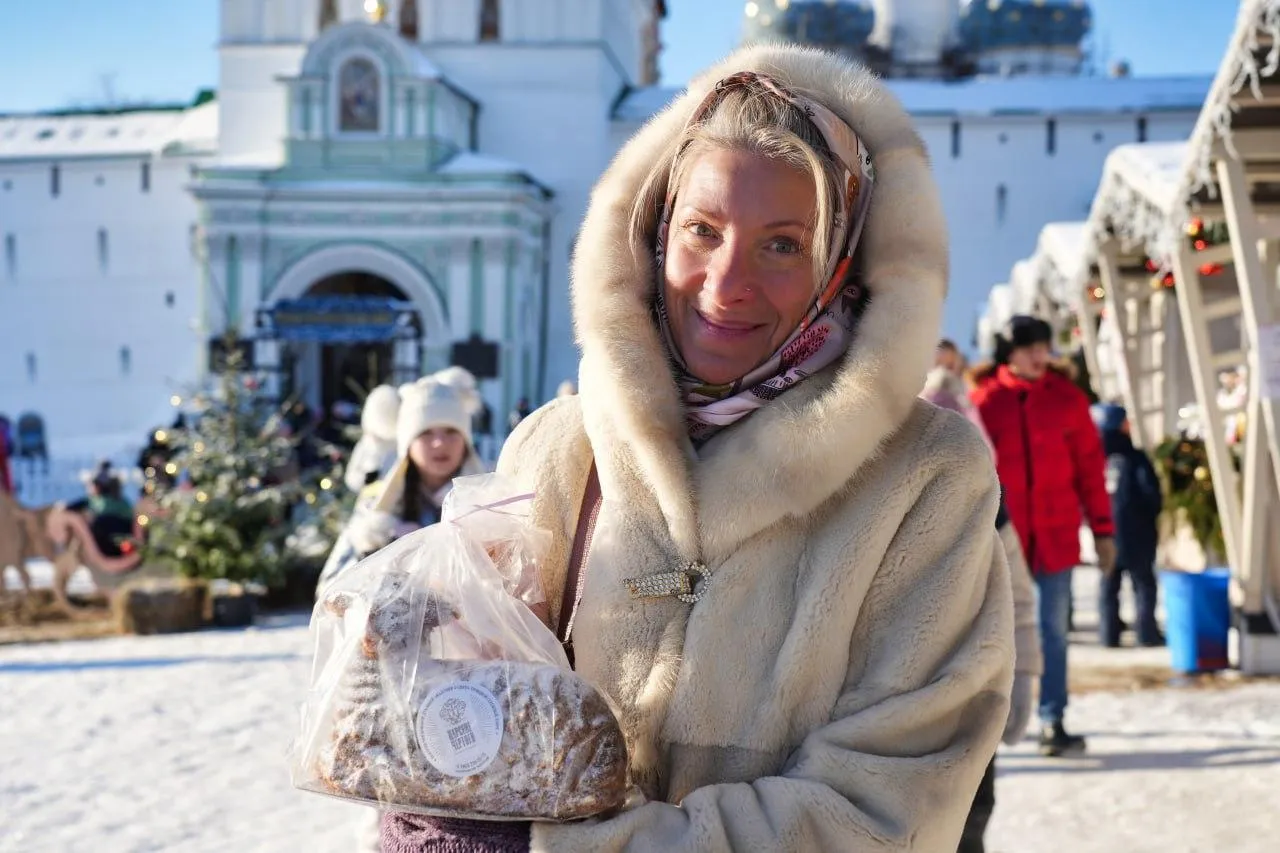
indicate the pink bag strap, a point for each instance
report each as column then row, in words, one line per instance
column 576, row 575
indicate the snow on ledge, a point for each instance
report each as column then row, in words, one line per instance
column 1239, row 68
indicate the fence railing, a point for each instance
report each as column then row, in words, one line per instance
column 39, row 482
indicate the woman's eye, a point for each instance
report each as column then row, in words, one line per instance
column 700, row 229
column 785, row 246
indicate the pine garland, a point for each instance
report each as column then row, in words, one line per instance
column 1183, row 466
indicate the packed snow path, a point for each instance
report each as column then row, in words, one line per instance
column 178, row 743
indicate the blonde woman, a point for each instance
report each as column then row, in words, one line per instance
column 793, row 592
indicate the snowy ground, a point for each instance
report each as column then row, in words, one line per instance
column 177, row 743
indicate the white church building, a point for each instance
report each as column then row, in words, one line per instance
column 381, row 187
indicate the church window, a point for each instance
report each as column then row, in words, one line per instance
column 11, row 255
column 410, row 112
column 169, row 299
column 1051, row 137
column 1142, row 128
column 409, row 19
column 102, row 250
column 31, row 366
column 955, row 139
column 55, row 181
column 1002, row 202
column 328, row 13
column 146, row 177
column 489, row 27
column 358, row 93
column 126, row 361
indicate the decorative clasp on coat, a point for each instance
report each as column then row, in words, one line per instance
column 688, row 584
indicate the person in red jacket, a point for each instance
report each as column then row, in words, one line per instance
column 1050, row 462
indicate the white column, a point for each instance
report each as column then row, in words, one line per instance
column 459, row 287
column 495, row 309
column 1113, row 286
column 1200, row 353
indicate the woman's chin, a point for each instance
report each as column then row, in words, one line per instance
column 720, row 372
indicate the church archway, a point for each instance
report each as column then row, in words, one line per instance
column 330, row 367
column 335, row 376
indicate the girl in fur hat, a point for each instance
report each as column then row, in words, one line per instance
column 433, row 445
column 793, row 591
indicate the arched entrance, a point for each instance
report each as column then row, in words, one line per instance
column 335, row 368
column 347, row 316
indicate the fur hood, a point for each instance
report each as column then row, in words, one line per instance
column 844, row 413
column 986, row 370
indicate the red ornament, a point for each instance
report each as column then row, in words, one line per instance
column 1152, row 266
column 1210, row 269
column 127, row 547
column 1201, row 245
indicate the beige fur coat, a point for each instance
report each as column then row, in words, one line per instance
column 844, row 681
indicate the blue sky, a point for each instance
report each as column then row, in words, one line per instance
column 59, row 53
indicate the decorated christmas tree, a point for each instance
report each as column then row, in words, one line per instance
column 1183, row 466
column 227, row 516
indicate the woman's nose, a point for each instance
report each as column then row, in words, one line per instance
column 729, row 273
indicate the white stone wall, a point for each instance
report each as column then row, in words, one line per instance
column 70, row 311
column 992, row 228
column 549, row 111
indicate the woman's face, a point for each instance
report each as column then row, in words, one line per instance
column 1030, row 362
column 438, row 454
column 738, row 276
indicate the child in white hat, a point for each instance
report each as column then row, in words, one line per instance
column 433, row 445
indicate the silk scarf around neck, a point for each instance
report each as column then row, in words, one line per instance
column 827, row 328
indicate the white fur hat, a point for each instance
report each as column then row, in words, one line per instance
column 445, row 399
column 378, row 417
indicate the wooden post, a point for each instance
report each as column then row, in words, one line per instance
column 1257, row 293
column 1087, row 314
column 1195, row 328
column 1255, row 263
column 1113, row 287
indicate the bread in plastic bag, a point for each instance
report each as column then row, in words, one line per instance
column 437, row 689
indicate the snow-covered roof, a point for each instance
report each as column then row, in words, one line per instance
column 1060, row 260
column 1139, row 200
column 641, row 104
column 992, row 96
column 1057, row 95
column 1062, row 244
column 474, row 163
column 1240, row 67
column 140, row 132
column 1025, row 287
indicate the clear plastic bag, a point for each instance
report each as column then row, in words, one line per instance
column 437, row 688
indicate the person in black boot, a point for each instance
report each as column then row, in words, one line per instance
column 1050, row 462
column 1136, row 503
column 1028, row 665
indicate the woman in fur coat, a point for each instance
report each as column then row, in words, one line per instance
column 794, row 592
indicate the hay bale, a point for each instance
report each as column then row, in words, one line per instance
column 160, row 605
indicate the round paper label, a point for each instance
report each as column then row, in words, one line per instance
column 459, row 728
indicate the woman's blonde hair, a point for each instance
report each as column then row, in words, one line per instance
column 752, row 120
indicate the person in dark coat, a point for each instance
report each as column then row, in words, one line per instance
column 1136, row 503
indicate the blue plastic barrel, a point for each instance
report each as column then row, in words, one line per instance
column 1197, row 616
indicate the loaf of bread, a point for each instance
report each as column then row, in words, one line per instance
column 480, row 738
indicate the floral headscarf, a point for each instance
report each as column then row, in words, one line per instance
column 827, row 329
